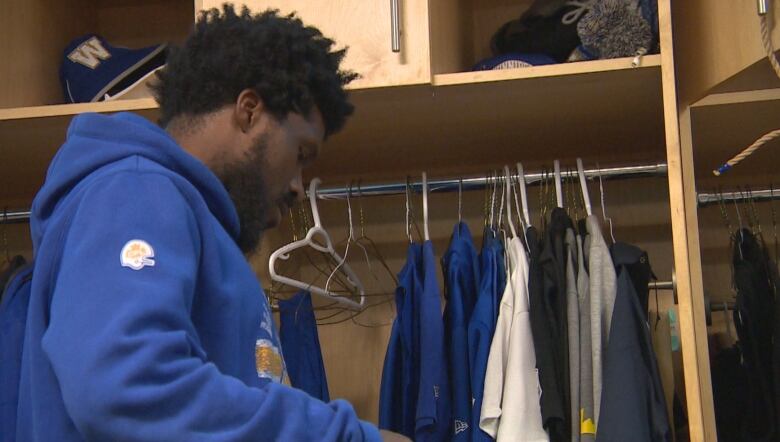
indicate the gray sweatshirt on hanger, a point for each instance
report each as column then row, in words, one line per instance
column 602, row 302
column 586, row 426
column 573, row 319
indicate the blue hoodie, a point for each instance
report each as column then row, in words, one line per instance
column 461, row 277
column 145, row 320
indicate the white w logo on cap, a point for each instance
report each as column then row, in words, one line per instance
column 89, row 53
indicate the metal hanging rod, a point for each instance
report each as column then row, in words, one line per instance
column 480, row 182
column 444, row 185
column 661, row 285
column 705, row 199
column 15, row 216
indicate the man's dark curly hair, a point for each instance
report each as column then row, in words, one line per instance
column 289, row 65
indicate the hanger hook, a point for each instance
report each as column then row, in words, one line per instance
column 408, row 211
column 360, row 208
column 460, row 200
column 602, row 197
column 5, row 234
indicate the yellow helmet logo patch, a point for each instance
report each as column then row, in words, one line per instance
column 137, row 254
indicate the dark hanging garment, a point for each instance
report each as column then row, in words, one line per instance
column 754, row 319
column 553, row 302
column 637, row 264
column 633, row 406
column 729, row 393
column 553, row 411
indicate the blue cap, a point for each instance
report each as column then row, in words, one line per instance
column 93, row 70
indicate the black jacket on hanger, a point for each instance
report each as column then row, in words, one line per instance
column 553, row 263
column 553, row 411
column 754, row 318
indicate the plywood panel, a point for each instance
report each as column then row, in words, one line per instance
column 716, row 40
column 364, row 27
column 722, row 131
column 33, row 34
column 682, row 195
column 26, row 147
column 451, row 36
column 612, row 117
column 137, row 24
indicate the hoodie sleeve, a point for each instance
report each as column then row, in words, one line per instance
column 122, row 344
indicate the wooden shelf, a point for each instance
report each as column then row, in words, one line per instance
column 554, row 70
column 610, row 116
column 723, row 125
column 68, row 110
column 604, row 112
column 718, row 48
column 29, row 138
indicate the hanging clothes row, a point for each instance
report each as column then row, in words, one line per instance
column 554, row 322
column 746, row 376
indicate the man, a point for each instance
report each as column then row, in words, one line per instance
column 145, row 321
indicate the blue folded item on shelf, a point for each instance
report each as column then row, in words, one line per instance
column 93, row 70
column 513, row 60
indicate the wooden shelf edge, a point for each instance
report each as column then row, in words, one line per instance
column 60, row 110
column 555, row 70
column 727, row 98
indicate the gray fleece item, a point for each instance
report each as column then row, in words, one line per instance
column 602, row 303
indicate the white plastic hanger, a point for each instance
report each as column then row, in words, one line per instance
column 523, row 194
column 508, row 186
column 584, row 186
column 308, row 241
column 558, row 191
column 425, row 206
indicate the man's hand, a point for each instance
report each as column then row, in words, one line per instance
column 389, row 436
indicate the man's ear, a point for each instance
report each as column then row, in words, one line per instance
column 249, row 107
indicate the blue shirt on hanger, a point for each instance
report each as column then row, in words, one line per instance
column 482, row 323
column 400, row 380
column 433, row 406
column 461, row 277
column 301, row 346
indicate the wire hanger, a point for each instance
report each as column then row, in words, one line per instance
column 774, row 220
column 308, row 241
column 500, row 219
column 350, row 239
column 6, row 248
column 558, row 191
column 460, row 201
column 523, row 193
column 408, row 211
column 365, row 238
column 425, row 206
column 508, row 187
column 584, row 186
column 604, row 205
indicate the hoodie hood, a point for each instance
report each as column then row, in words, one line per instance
column 94, row 141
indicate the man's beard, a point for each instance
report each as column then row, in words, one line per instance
column 245, row 183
